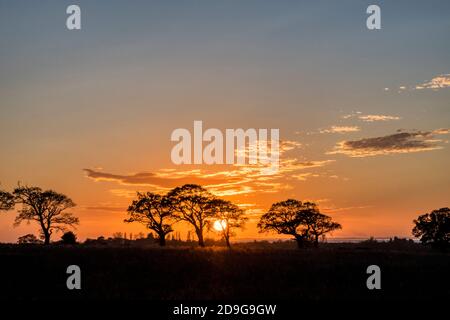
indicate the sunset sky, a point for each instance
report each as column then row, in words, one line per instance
column 364, row 116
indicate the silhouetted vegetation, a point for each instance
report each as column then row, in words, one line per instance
column 6, row 201
column 190, row 203
column 303, row 221
column 69, row 238
column 229, row 217
column 47, row 208
column 29, row 239
column 252, row 271
column 434, row 228
column 155, row 212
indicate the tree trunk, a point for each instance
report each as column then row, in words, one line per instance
column 162, row 239
column 316, row 241
column 300, row 242
column 227, row 240
column 46, row 237
column 199, row 233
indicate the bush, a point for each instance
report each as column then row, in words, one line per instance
column 29, row 239
column 69, row 238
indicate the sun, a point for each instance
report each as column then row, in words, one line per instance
column 219, row 225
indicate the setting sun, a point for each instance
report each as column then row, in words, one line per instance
column 219, row 225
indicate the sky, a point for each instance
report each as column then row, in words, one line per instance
column 364, row 115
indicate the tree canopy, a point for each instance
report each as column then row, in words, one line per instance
column 191, row 204
column 434, row 228
column 47, row 208
column 154, row 211
column 302, row 220
column 6, row 201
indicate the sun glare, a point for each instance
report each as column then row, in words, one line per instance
column 220, row 225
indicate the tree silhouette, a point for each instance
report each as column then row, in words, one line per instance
column 303, row 221
column 6, row 201
column 28, row 239
column 434, row 228
column 191, row 204
column 230, row 214
column 154, row 211
column 47, row 208
column 320, row 224
column 69, row 238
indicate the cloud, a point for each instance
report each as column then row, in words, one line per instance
column 225, row 180
column 164, row 180
column 370, row 117
column 439, row 82
column 341, row 129
column 400, row 142
column 377, row 117
column 238, row 180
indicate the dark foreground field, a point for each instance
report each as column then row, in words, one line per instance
column 331, row 272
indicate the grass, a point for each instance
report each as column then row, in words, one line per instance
column 250, row 271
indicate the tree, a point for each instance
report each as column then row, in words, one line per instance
column 303, row 221
column 6, row 201
column 434, row 228
column 47, row 208
column 69, row 238
column 154, row 211
column 28, row 239
column 284, row 218
column 191, row 203
column 229, row 215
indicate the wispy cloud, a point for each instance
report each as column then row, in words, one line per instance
column 370, row 117
column 340, row 129
column 164, row 179
column 238, row 180
column 400, row 142
column 377, row 117
column 439, row 82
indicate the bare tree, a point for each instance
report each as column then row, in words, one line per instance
column 191, row 203
column 47, row 208
column 229, row 215
column 154, row 211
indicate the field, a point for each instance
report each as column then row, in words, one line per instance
column 248, row 272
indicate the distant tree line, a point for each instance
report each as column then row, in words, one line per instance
column 196, row 206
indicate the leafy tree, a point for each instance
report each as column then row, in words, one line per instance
column 284, row 218
column 47, row 208
column 6, row 201
column 434, row 228
column 191, row 204
column 303, row 221
column 230, row 216
column 69, row 238
column 28, row 239
column 154, row 211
